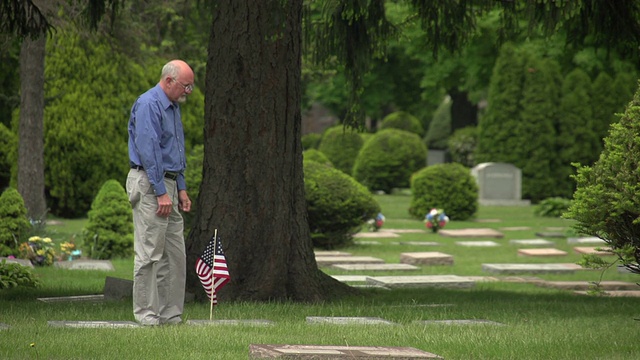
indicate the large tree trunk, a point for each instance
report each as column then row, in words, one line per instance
column 31, row 129
column 463, row 112
column 252, row 189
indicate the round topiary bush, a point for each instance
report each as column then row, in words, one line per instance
column 388, row 159
column 341, row 146
column 403, row 121
column 337, row 205
column 450, row 187
column 462, row 145
column 14, row 224
column 311, row 141
column 317, row 156
column 109, row 231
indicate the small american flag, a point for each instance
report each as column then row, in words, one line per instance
column 212, row 269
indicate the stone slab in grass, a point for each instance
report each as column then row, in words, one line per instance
column 426, row 258
column 333, row 260
column 562, row 268
column 472, row 232
column 420, row 281
column 246, row 322
column 104, row 265
column 591, row 250
column 80, row 298
column 350, row 278
column 616, row 293
column 515, row 228
column 460, row 322
column 331, row 253
column 419, row 243
column 543, row 252
column 590, row 240
column 4, row 326
column 550, row 234
column 23, row 262
column 586, row 285
column 375, row 267
column 532, row 242
column 347, row 320
column 477, row 243
column 376, row 235
column 366, row 242
column 336, row 352
column 94, row 324
column 406, row 231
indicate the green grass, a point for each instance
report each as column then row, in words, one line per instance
column 538, row 323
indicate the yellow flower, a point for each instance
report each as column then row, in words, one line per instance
column 34, row 238
column 47, row 240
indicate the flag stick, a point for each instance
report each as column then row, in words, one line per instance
column 213, row 289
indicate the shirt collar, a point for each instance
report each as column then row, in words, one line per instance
column 164, row 100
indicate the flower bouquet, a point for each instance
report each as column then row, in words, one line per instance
column 68, row 251
column 436, row 219
column 376, row 224
column 38, row 250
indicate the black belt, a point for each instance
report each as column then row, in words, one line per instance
column 168, row 174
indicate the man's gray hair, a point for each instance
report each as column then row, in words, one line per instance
column 170, row 69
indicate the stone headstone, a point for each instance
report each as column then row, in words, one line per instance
column 499, row 184
column 564, row 268
column 472, row 233
column 592, row 240
column 94, row 324
column 347, row 320
column 79, row 298
column 117, row 289
column 532, row 242
column 336, row 352
column 81, row 264
column 375, row 267
column 333, row 260
column 477, row 243
column 426, row 258
column 418, row 281
column 541, row 252
column 23, row 262
column 247, row 322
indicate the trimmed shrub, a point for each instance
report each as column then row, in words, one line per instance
column 8, row 149
column 606, row 202
column 552, row 207
column 13, row 275
column 109, row 231
column 311, row 141
column 337, row 205
column 462, row 145
column 440, row 126
column 14, row 224
column 341, row 146
column 450, row 187
column 403, row 121
column 317, row 156
column 388, row 159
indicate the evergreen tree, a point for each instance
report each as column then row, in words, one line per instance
column 604, row 106
column 535, row 131
column 577, row 140
column 497, row 127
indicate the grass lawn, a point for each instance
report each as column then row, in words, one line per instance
column 534, row 322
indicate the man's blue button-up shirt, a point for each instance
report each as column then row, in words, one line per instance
column 156, row 138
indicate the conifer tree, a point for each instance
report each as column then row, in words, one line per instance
column 604, row 106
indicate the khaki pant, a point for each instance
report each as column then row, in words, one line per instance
column 159, row 271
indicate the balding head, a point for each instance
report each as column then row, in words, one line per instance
column 176, row 80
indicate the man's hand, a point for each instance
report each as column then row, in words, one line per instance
column 164, row 205
column 184, row 203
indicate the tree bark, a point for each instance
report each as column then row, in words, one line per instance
column 463, row 112
column 31, row 127
column 252, row 189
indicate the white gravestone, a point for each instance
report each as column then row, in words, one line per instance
column 499, row 184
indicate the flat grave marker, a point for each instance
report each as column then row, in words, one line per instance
column 591, row 250
column 471, row 232
column 331, row 253
column 94, row 324
column 422, row 281
column 347, row 320
column 81, row 264
column 350, row 278
column 591, row 240
column 375, row 267
column 562, row 268
column 541, row 252
column 4, row 326
column 419, row 243
column 248, row 322
column 336, row 352
column 426, row 258
column 616, row 293
column 460, row 322
column 23, row 262
column 586, row 285
column 333, row 260
column 515, row 228
column 376, row 235
column 366, row 242
column 80, row 298
column 550, row 234
column 477, row 243
column 406, row 231
column 532, row 242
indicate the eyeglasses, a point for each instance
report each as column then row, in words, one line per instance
column 188, row 88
